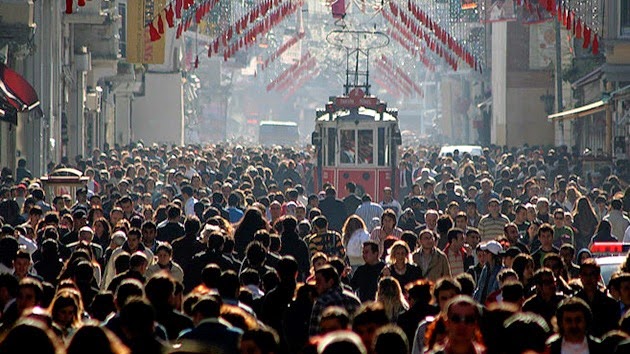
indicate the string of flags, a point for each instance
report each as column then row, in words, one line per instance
column 299, row 83
column 391, row 82
column 306, row 60
column 395, row 71
column 388, row 86
column 263, row 21
column 408, row 41
column 283, row 48
column 425, row 26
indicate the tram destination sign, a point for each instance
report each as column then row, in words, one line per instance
column 356, row 98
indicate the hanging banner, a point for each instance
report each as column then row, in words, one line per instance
column 498, row 11
column 140, row 48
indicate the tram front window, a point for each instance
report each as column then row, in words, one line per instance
column 366, row 146
column 348, row 146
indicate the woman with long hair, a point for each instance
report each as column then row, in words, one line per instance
column 252, row 221
column 523, row 265
column 102, row 232
column 353, row 234
column 391, row 296
column 66, row 311
column 585, row 221
column 400, row 265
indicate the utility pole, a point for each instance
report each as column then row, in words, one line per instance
column 559, row 100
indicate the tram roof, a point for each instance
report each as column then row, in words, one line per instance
column 361, row 114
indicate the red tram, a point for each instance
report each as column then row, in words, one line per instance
column 357, row 139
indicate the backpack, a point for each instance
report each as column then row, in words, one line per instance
column 355, row 245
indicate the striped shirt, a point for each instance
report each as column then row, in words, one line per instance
column 490, row 228
column 368, row 211
column 455, row 260
column 328, row 243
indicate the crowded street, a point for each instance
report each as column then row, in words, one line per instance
column 314, row 177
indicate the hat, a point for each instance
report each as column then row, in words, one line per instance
column 119, row 237
column 493, row 200
column 493, row 247
column 86, row 229
column 21, row 186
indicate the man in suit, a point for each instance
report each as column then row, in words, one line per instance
column 210, row 330
column 574, row 318
column 351, row 201
column 334, row 209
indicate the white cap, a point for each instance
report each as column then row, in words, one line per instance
column 493, row 247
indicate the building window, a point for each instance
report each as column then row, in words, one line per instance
column 624, row 18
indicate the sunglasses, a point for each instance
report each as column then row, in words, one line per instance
column 463, row 319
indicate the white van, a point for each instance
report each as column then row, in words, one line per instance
column 278, row 133
column 473, row 150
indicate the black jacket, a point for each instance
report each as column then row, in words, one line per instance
column 555, row 345
column 335, row 211
column 293, row 245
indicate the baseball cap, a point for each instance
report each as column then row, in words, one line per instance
column 493, row 247
column 493, row 200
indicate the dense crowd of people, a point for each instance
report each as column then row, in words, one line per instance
column 226, row 249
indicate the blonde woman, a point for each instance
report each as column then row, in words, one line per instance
column 391, row 296
column 353, row 234
column 399, row 264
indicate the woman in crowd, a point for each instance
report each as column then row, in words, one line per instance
column 353, row 234
column 251, row 222
column 585, row 221
column 391, row 296
column 523, row 265
column 400, row 266
column 65, row 310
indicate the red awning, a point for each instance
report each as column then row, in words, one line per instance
column 16, row 90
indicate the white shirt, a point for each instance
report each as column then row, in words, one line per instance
column 574, row 348
column 189, row 208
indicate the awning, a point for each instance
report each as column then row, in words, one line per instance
column 16, row 91
column 580, row 111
